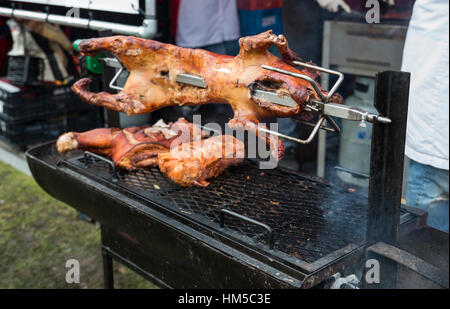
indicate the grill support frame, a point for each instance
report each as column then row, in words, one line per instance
column 386, row 168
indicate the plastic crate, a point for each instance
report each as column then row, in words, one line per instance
column 13, row 95
column 31, row 132
column 256, row 21
column 33, row 103
column 25, row 70
column 259, row 4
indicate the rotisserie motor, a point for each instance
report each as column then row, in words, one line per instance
column 135, row 147
column 154, row 67
column 192, row 163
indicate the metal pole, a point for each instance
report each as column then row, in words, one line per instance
column 148, row 28
column 108, row 267
column 324, row 80
column 386, row 168
column 108, row 271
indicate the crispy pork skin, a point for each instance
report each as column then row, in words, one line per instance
column 191, row 164
column 154, row 67
column 134, row 147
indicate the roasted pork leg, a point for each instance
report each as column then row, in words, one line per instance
column 135, row 147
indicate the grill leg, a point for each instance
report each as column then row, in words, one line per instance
column 386, row 168
column 108, row 274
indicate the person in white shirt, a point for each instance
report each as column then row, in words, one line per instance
column 208, row 24
column 212, row 25
column 426, row 56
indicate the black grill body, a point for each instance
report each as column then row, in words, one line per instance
column 172, row 235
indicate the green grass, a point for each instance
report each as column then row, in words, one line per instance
column 38, row 234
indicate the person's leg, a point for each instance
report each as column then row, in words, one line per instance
column 231, row 47
column 439, row 207
column 428, row 189
column 218, row 48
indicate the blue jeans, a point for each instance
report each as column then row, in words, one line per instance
column 230, row 48
column 428, row 190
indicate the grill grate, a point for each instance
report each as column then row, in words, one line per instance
column 309, row 218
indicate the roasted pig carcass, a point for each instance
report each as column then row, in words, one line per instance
column 192, row 163
column 134, row 147
column 154, row 68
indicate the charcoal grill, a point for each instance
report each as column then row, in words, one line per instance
column 249, row 228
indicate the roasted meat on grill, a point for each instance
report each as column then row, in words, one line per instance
column 192, row 163
column 154, row 67
column 135, row 147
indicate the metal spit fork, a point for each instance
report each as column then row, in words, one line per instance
column 323, row 107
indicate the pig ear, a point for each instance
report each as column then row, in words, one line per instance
column 311, row 72
column 286, row 53
column 289, row 55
